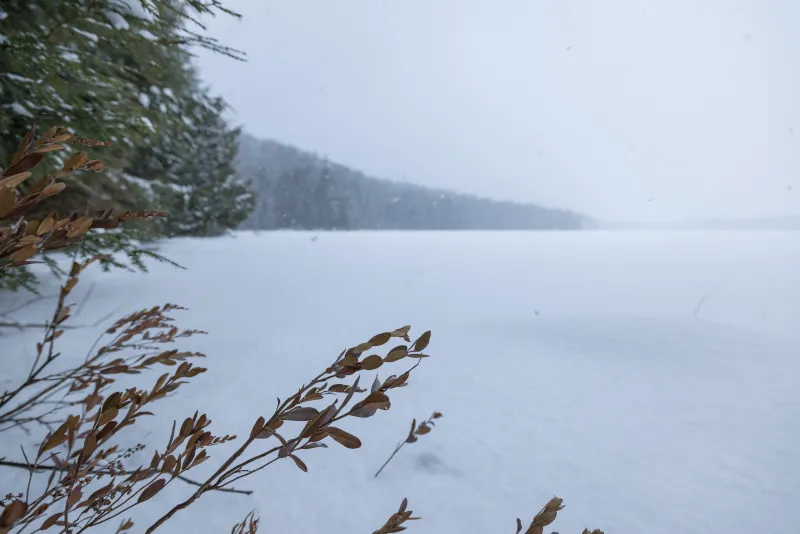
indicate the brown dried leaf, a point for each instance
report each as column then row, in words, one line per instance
column 422, row 429
column 8, row 200
column 74, row 496
column 546, row 516
column 299, row 463
column 70, row 284
column 380, row 339
column 24, row 253
column 63, row 138
column 80, row 227
column 152, row 489
column 345, row 438
column 54, row 441
column 422, row 342
column 300, row 413
column 257, row 427
column 268, row 432
column 24, row 145
column 12, row 513
column 89, row 443
column 351, row 391
column 397, row 353
column 50, row 521
column 48, row 134
column 31, row 227
column 363, row 412
column 186, row 461
column 25, row 164
column 42, row 508
column 52, row 189
column 75, row 160
column 402, row 331
column 48, row 148
column 202, row 457
column 371, row 363
column 15, row 180
column 112, row 402
column 169, row 464
column 188, row 424
column 376, row 400
column 101, row 492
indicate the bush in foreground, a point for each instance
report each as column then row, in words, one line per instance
column 78, row 477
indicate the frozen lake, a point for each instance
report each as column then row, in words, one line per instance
column 649, row 379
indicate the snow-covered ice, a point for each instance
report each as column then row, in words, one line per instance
column 576, row 364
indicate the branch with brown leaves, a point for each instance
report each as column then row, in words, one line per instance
column 248, row 526
column 394, row 524
column 413, row 435
column 79, row 447
column 136, row 345
column 88, row 483
column 23, row 239
column 546, row 516
column 318, row 425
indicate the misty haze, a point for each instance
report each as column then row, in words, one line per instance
column 310, row 266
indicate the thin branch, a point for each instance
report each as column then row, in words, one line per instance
column 703, row 300
column 79, row 14
column 396, row 450
column 229, row 490
column 25, row 305
column 21, row 465
column 23, row 326
column 85, row 299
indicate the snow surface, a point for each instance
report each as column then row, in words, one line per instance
column 575, row 364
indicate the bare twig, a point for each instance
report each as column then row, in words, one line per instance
column 228, row 490
column 89, row 292
column 39, row 467
column 416, row 430
column 703, row 300
column 24, row 326
column 25, row 304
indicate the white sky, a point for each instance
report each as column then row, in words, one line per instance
column 622, row 109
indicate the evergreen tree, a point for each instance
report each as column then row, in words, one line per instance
column 301, row 190
column 118, row 70
column 198, row 184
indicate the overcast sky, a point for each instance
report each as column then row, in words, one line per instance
column 622, row 109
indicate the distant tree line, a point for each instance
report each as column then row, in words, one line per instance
column 299, row 190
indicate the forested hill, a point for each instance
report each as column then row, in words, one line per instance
column 297, row 189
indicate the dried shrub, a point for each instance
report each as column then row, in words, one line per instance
column 413, row 435
column 88, row 481
column 546, row 516
column 23, row 238
column 395, row 522
column 248, row 526
column 81, row 467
